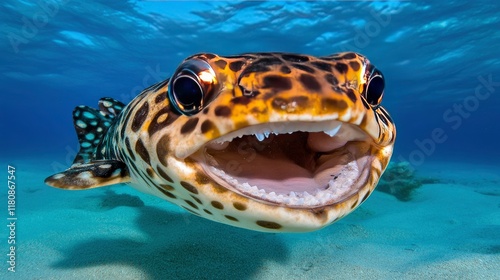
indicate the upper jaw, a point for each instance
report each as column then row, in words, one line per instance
column 262, row 131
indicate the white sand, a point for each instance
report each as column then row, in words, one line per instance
column 449, row 231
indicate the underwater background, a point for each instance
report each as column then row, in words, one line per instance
column 441, row 63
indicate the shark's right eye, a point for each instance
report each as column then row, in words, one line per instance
column 192, row 86
column 375, row 88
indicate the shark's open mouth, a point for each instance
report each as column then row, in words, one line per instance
column 297, row 164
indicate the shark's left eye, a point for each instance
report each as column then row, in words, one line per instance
column 375, row 88
column 192, row 86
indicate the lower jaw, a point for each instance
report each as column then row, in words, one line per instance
column 337, row 176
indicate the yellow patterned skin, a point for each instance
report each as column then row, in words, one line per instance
column 272, row 142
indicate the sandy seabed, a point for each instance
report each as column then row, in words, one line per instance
column 449, row 230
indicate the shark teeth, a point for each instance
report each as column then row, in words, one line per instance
column 333, row 131
column 260, row 136
column 335, row 189
column 263, row 131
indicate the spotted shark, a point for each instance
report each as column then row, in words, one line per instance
column 273, row 142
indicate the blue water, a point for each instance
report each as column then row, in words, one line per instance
column 440, row 59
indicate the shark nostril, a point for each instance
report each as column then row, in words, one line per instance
column 249, row 92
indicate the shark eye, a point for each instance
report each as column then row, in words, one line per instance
column 375, row 88
column 192, row 86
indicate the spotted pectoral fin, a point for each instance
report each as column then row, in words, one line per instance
column 91, row 125
column 90, row 175
column 110, row 107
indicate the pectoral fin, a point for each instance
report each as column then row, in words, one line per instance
column 97, row 173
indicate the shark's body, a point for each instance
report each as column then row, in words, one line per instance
column 270, row 141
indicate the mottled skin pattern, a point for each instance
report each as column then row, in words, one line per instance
column 154, row 141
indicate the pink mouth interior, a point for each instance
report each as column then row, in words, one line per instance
column 302, row 164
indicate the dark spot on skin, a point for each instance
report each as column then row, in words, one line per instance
column 161, row 97
column 140, row 117
column 367, row 194
column 142, row 151
column 354, row 65
column 155, row 126
column 167, row 193
column 162, row 149
column 309, row 82
column 353, row 205
column 331, row 79
column 322, row 65
column 189, row 161
column 242, row 100
column 240, row 206
column 209, row 55
column 167, row 187
column 202, row 179
column 254, row 68
column 191, row 204
column 190, row 210
column 217, row 205
column 236, row 65
column 295, row 58
column 208, row 212
column 148, row 179
column 124, row 127
column 129, row 149
column 341, row 67
column 300, row 101
column 222, row 111
column 105, row 172
column 189, row 187
column 350, row 93
column 331, row 58
column 349, row 56
column 320, row 213
column 285, row 69
column 338, row 89
column 257, row 110
column 231, row 218
column 197, row 199
column 221, row 63
column 206, row 110
column 304, row 68
column 267, row 224
column 279, row 103
column 206, row 126
column 189, row 126
column 269, row 61
column 217, row 188
column 277, row 83
column 150, row 172
column 164, row 175
column 333, row 104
